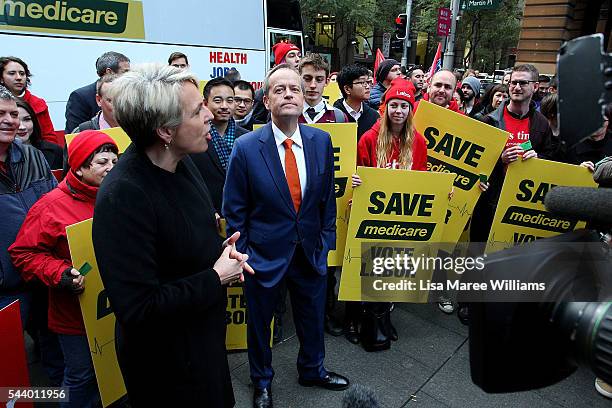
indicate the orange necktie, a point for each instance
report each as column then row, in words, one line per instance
column 293, row 177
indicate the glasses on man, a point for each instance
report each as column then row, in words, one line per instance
column 522, row 83
column 240, row 101
column 363, row 83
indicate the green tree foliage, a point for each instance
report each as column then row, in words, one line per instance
column 378, row 14
column 488, row 34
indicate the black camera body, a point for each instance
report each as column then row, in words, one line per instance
column 523, row 344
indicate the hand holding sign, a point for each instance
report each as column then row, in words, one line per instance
column 530, row 154
column 78, row 282
column 511, row 154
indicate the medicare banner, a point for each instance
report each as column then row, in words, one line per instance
column 397, row 217
column 464, row 147
column 521, row 215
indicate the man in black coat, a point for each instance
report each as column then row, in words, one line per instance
column 355, row 88
column 212, row 164
column 82, row 105
column 525, row 124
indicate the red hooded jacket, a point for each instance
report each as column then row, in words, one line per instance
column 366, row 149
column 42, row 114
column 41, row 248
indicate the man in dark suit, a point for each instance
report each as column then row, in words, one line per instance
column 279, row 193
column 82, row 105
column 212, row 164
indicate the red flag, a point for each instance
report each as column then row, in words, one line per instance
column 379, row 58
column 437, row 62
column 14, row 371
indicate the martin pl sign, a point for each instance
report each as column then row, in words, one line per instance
column 480, row 4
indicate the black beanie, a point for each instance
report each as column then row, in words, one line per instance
column 383, row 69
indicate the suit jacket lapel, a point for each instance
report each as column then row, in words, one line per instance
column 269, row 152
column 310, row 157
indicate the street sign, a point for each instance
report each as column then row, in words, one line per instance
column 444, row 21
column 480, row 4
column 386, row 44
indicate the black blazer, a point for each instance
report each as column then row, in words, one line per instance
column 367, row 119
column 81, row 106
column 212, row 172
column 156, row 241
column 53, row 153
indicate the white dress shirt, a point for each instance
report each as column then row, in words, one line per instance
column 355, row 114
column 298, row 151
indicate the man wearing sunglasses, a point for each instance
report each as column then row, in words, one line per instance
column 519, row 117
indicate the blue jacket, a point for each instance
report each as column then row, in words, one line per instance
column 375, row 95
column 29, row 178
column 257, row 202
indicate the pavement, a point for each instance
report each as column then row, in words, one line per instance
column 427, row 367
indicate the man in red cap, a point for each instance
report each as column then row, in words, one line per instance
column 287, row 53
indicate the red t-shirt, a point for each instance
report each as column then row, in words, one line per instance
column 518, row 128
column 3, row 167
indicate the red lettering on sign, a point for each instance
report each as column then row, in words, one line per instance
column 218, row 57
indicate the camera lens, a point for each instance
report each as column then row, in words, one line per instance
column 588, row 328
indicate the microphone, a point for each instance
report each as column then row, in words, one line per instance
column 593, row 205
column 359, row 396
column 603, row 173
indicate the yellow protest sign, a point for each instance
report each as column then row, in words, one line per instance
column 116, row 133
column 201, row 86
column 344, row 141
column 463, row 146
column 394, row 213
column 236, row 319
column 331, row 92
column 521, row 216
column 97, row 315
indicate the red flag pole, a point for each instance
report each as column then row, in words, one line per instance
column 379, row 58
column 435, row 61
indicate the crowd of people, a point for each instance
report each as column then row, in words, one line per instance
column 195, row 159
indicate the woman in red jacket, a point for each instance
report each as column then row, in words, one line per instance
column 15, row 76
column 41, row 251
column 394, row 144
